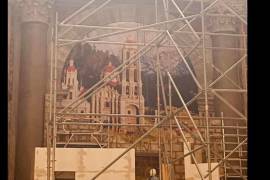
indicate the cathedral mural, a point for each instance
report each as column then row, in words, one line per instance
column 134, row 90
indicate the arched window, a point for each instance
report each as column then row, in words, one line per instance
column 136, row 91
column 107, row 104
column 127, row 90
column 70, row 95
column 127, row 55
column 135, row 75
column 127, row 75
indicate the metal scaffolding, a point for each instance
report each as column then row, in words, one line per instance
column 199, row 127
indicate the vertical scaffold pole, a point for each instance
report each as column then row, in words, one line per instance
column 171, row 135
column 158, row 113
column 54, row 97
column 224, row 146
column 49, row 135
column 205, row 92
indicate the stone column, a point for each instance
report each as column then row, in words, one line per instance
column 11, row 94
column 32, row 85
column 224, row 59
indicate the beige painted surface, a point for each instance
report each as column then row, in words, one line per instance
column 87, row 162
column 191, row 172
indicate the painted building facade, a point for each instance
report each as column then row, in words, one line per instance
column 121, row 95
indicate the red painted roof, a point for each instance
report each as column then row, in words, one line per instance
column 113, row 83
column 71, row 69
column 109, row 68
column 82, row 90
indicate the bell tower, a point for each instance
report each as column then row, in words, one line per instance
column 132, row 100
column 70, row 82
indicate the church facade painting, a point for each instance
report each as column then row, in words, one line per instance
column 121, row 95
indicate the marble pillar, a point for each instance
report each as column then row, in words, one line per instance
column 32, row 85
column 223, row 59
column 11, row 94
